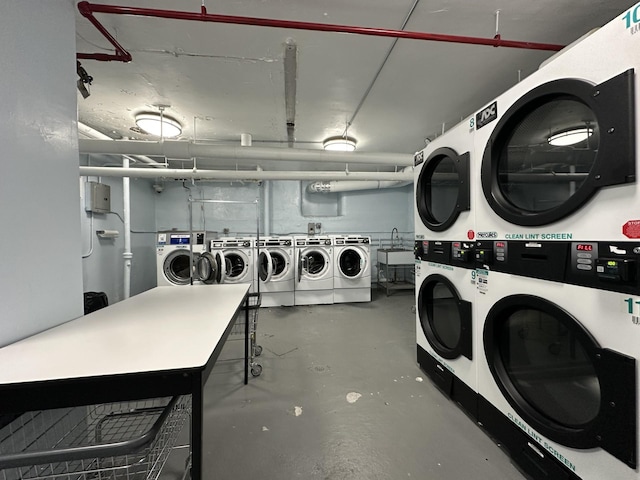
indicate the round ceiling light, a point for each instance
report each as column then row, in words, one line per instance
column 340, row 144
column 154, row 124
column 570, row 137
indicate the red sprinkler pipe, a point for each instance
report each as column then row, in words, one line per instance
column 88, row 9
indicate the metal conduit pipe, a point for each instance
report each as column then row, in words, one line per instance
column 88, row 9
column 180, row 174
column 92, row 133
column 180, row 149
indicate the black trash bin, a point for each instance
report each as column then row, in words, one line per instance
column 94, row 301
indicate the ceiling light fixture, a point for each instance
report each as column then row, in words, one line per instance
column 570, row 136
column 340, row 144
column 158, row 125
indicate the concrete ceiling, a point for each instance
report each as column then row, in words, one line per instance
column 221, row 80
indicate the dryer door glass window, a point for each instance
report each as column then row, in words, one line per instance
column 549, row 155
column 314, row 263
column 549, row 367
column 442, row 190
column 556, row 146
column 350, row 262
column 445, row 318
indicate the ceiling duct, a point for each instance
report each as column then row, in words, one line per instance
column 186, row 150
column 246, row 175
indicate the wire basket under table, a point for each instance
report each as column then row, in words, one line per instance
column 116, row 441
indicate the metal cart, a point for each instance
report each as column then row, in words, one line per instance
column 116, row 441
column 252, row 349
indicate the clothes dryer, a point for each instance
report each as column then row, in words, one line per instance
column 351, row 268
column 177, row 254
column 557, row 373
column 314, row 270
column 445, row 323
column 443, row 185
column 559, row 150
column 238, row 254
column 275, row 271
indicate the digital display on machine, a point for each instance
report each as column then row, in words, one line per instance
column 612, row 263
column 500, row 244
column 584, row 247
column 179, row 240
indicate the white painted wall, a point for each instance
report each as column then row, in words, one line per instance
column 41, row 270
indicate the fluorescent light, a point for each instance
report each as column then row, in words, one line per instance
column 151, row 124
column 570, row 137
column 340, row 144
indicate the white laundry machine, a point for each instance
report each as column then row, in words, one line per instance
column 445, row 323
column 177, row 254
column 313, row 270
column 443, row 185
column 237, row 255
column 559, row 150
column 351, row 268
column 275, row 271
column 557, row 372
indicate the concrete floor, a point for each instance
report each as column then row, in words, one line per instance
column 340, row 397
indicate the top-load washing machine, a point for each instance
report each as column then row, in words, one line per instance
column 558, row 331
column 445, row 321
column 275, row 271
column 351, row 268
column 559, row 150
column 313, row 270
column 443, row 184
column 237, row 254
column 177, row 254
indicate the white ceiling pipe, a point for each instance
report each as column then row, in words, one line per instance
column 351, row 185
column 180, row 149
column 177, row 173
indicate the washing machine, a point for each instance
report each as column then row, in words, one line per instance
column 444, row 185
column 237, row 255
column 559, row 150
column 445, row 322
column 351, row 268
column 275, row 271
column 177, row 254
column 313, row 270
column 559, row 330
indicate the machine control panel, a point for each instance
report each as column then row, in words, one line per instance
column 457, row 253
column 484, row 253
column 351, row 240
column 462, row 253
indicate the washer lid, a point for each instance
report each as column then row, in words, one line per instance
column 559, row 380
column 530, row 180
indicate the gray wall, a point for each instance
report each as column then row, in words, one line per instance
column 370, row 212
column 103, row 264
column 41, row 270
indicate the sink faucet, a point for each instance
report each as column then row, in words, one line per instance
column 394, row 230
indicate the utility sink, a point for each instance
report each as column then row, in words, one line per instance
column 395, row 256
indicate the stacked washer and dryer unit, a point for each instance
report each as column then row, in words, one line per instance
column 557, row 251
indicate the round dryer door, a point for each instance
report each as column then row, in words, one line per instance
column 210, row 267
column 558, row 379
column 177, row 266
column 265, row 266
column 445, row 318
column 442, row 189
column 556, row 146
column 351, row 263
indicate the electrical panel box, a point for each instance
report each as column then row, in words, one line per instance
column 97, row 197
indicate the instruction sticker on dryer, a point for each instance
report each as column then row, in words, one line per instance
column 482, row 280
